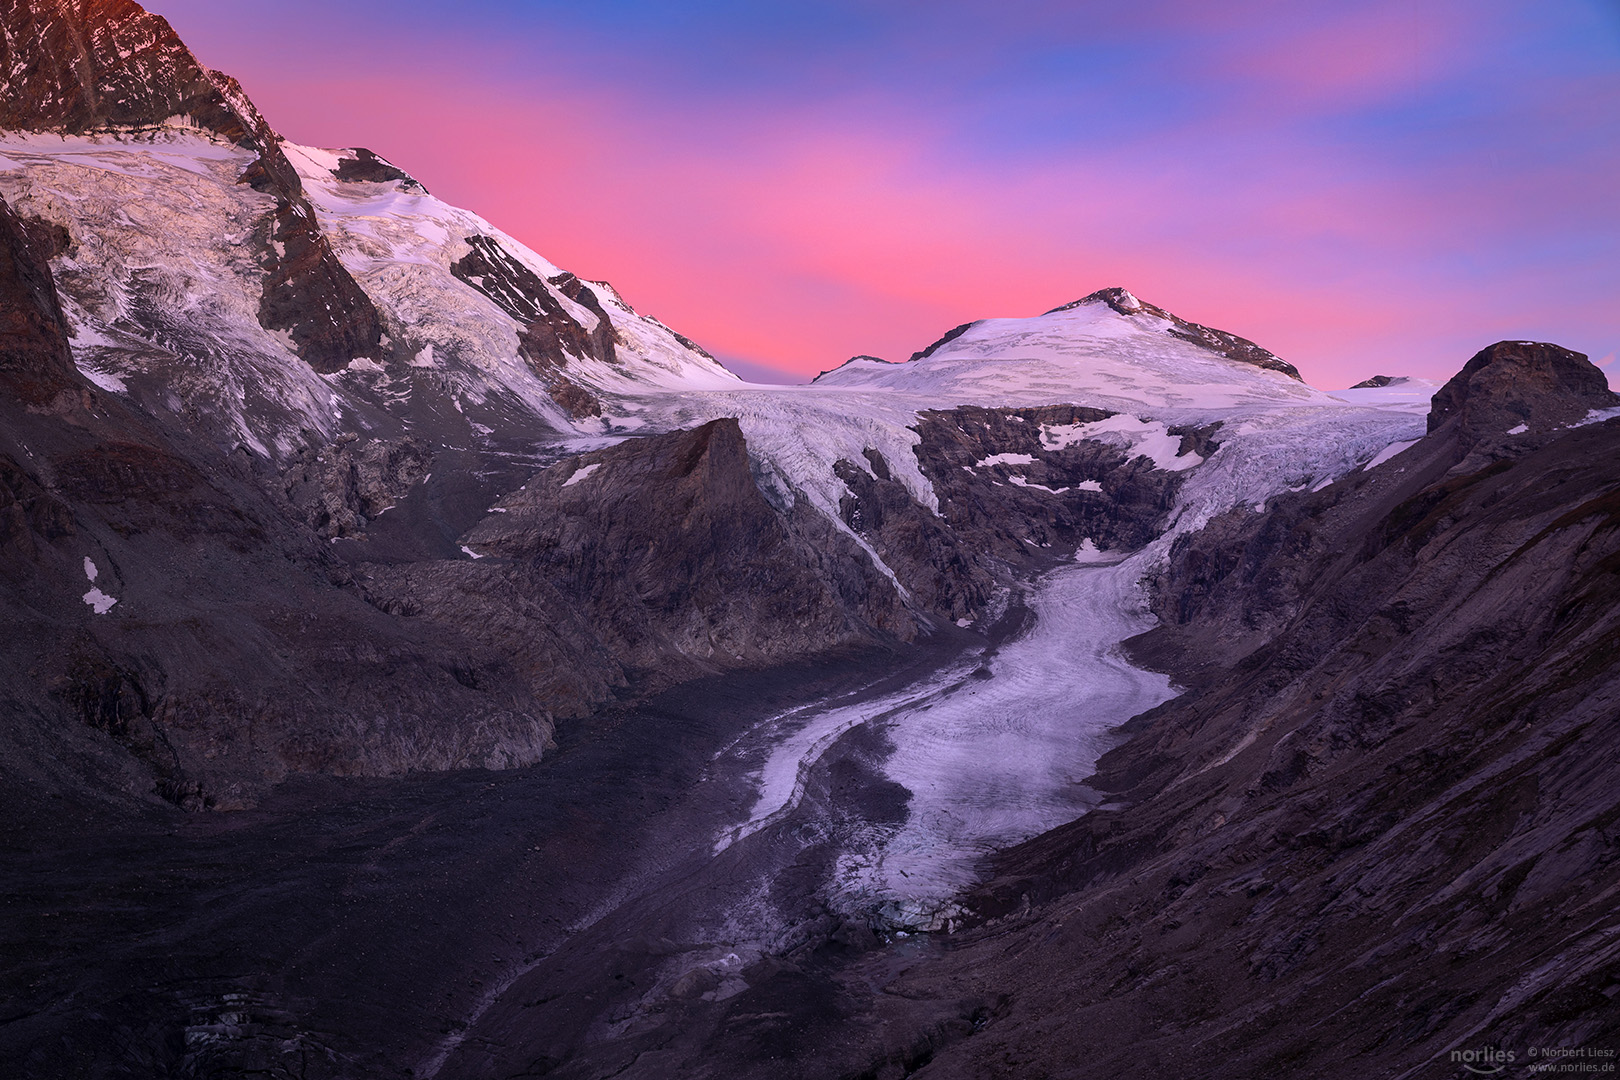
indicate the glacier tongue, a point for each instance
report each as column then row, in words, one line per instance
column 1001, row 756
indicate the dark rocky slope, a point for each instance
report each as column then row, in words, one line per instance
column 1381, row 828
column 234, row 652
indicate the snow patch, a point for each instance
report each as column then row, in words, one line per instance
column 1019, row 481
column 1005, row 459
column 581, row 473
column 1386, row 453
column 469, row 552
column 1141, row 438
column 1519, row 430
column 102, row 378
column 90, row 570
column 99, row 601
column 1088, row 554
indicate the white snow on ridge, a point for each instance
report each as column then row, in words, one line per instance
column 1276, row 434
column 1123, row 363
column 378, row 230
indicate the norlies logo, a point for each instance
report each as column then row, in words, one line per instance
column 1485, row 1062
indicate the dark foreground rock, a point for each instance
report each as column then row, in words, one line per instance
column 352, row 927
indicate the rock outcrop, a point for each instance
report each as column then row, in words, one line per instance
column 36, row 364
column 338, row 489
column 81, row 66
column 672, row 553
column 1517, row 386
column 310, row 296
column 549, row 334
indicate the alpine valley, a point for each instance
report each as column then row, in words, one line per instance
column 414, row 662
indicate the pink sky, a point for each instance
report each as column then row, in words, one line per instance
column 1363, row 191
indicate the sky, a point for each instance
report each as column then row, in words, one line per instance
column 1368, row 187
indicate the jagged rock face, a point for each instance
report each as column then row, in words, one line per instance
column 942, row 573
column 366, row 167
column 309, row 294
column 337, row 489
column 670, row 550
column 1383, row 814
column 549, row 335
column 88, row 65
column 922, row 354
column 95, row 65
column 1228, row 345
column 81, row 66
column 602, row 335
column 1522, row 385
column 35, row 362
column 1010, row 486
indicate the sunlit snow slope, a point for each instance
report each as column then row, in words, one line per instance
column 165, row 270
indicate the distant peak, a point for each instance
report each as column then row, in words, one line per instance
column 1381, row 380
column 852, row 360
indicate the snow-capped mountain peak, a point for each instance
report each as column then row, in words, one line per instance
column 1110, row 347
column 264, row 291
